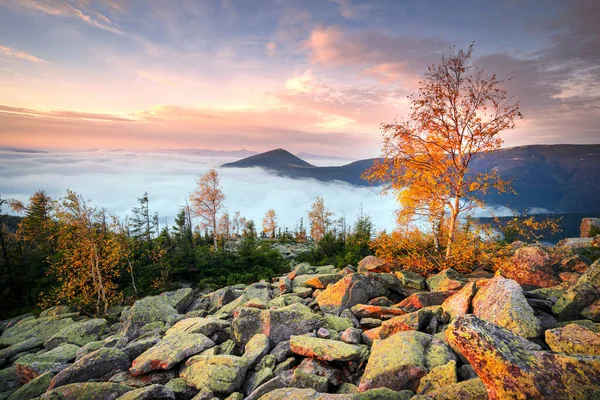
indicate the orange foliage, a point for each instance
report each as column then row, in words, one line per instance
column 207, row 201
column 320, row 219
column 269, row 223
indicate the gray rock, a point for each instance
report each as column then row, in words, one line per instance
column 33, row 388
column 87, row 391
column 9, row 379
column 93, row 366
column 351, row 290
column 152, row 392
column 79, row 333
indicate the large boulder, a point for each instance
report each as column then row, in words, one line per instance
column 152, row 392
column 379, row 312
column 472, row 389
column 419, row 300
column 205, row 326
column 31, row 366
column 580, row 295
column 415, row 321
column 351, row 290
column 512, row 368
column 531, row 267
column 501, row 301
column 9, row 379
column 373, row 264
column 460, row 303
column 164, row 308
column 20, row 347
column 95, row 365
column 278, row 324
column 573, row 339
column 33, row 388
column 218, row 373
column 256, row 348
column 448, row 279
column 87, row 391
column 326, row 349
column 38, row 328
column 170, row 351
column 79, row 333
column 397, row 362
column 589, row 227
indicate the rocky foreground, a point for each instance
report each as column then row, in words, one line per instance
column 322, row 333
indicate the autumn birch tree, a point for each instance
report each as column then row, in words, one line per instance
column 207, row 201
column 320, row 219
column 269, row 223
column 457, row 113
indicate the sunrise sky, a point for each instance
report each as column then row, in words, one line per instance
column 306, row 75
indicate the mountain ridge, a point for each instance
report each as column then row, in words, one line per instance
column 554, row 178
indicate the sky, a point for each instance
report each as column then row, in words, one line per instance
column 306, row 75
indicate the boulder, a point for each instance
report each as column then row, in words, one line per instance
column 321, row 281
column 31, row 366
column 92, row 366
column 138, row 346
column 9, row 379
column 181, row 390
column 472, row 389
column 438, row 377
column 205, row 326
column 256, row 349
column 87, row 391
column 301, row 379
column 575, row 263
column 40, row 328
column 397, row 362
column 369, row 311
column 573, row 339
column 448, row 279
column 33, row 388
column 218, row 373
column 373, row 264
column 255, row 379
column 79, row 333
column 579, row 296
column 277, row 324
column 416, row 321
column 501, row 301
column 411, row 279
column 164, row 307
column 438, row 353
column 590, row 227
column 417, row 301
column 170, row 351
column 531, row 267
column 20, row 347
column 326, row 349
column 347, row 292
column 592, row 312
column 152, row 392
column 460, row 302
column 321, row 368
column 151, row 378
column 511, row 367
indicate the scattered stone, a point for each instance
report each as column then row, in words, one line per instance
column 416, row 321
column 438, row 377
column 79, row 333
column 219, row 373
column 424, row 299
column 510, row 367
column 152, row 392
column 87, row 391
column 373, row 264
column 301, row 379
column 256, row 348
column 93, row 366
column 170, row 351
column 205, row 326
column 322, row 281
column 573, row 339
column 579, row 296
column 379, row 312
column 501, row 301
column 325, row 349
column 460, row 302
column 321, row 368
column 531, row 267
column 411, row 279
column 33, row 388
column 28, row 328
column 351, row 336
column 31, row 366
column 351, row 290
column 323, row 333
column 396, row 363
column 590, row 227
column 151, row 378
column 448, row 279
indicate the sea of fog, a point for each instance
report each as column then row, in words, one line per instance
column 114, row 179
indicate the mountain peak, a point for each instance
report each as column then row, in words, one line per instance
column 273, row 159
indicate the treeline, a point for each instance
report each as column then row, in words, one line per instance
column 70, row 251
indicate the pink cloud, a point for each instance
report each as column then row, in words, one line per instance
column 14, row 53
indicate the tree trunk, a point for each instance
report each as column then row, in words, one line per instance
column 452, row 227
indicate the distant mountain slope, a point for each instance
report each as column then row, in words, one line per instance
column 557, row 178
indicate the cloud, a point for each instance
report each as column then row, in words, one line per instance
column 114, row 180
column 271, row 48
column 8, row 112
column 14, row 53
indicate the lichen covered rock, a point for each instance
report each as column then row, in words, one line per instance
column 347, row 292
column 397, row 362
column 501, row 301
column 511, row 367
column 219, row 373
column 87, row 391
column 448, row 279
column 326, row 349
column 79, row 333
column 573, row 339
